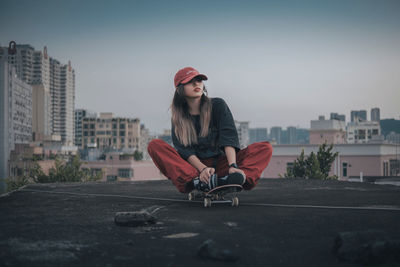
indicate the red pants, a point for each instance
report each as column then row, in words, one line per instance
column 252, row 160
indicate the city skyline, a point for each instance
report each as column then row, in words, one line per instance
column 293, row 60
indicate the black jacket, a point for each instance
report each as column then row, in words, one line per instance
column 222, row 133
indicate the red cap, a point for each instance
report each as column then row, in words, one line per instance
column 186, row 74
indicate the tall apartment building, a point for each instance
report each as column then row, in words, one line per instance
column 53, row 90
column 15, row 113
column 67, row 83
column 107, row 132
column 62, row 90
column 375, row 114
column 79, row 115
column 42, row 119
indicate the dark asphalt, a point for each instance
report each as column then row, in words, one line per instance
column 73, row 224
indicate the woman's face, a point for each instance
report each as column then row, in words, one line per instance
column 194, row 88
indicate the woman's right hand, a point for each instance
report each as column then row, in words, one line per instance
column 206, row 174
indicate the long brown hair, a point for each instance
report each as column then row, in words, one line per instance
column 184, row 127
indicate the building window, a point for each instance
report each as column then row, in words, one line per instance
column 91, row 126
column 125, row 173
column 122, row 133
column 114, row 126
column 385, row 169
column 85, row 126
column 111, row 178
column 85, row 133
column 122, row 126
column 344, row 169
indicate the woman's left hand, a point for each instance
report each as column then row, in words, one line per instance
column 233, row 170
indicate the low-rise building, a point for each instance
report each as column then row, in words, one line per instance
column 107, row 132
column 353, row 160
column 327, row 131
column 118, row 166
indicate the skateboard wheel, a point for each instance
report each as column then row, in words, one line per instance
column 192, row 196
column 207, row 202
column 235, row 201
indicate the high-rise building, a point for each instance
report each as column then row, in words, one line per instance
column 15, row 114
column 53, row 89
column 79, row 115
column 42, row 119
column 62, row 90
column 68, row 104
column 291, row 135
column 276, row 134
column 336, row 116
column 258, row 135
column 375, row 114
column 358, row 115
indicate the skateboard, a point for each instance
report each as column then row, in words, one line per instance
column 217, row 195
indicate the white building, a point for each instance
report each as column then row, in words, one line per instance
column 15, row 113
column 362, row 132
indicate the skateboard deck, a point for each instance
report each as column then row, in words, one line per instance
column 217, row 195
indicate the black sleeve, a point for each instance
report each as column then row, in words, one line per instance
column 184, row 152
column 228, row 135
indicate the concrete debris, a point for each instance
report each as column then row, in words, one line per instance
column 181, row 235
column 366, row 247
column 134, row 219
column 209, row 250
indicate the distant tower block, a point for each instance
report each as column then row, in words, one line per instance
column 375, row 114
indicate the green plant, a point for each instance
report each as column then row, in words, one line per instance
column 17, row 182
column 314, row 166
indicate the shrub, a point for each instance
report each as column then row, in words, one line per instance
column 315, row 166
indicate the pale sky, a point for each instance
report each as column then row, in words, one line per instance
column 276, row 63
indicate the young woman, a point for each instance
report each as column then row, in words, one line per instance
column 207, row 152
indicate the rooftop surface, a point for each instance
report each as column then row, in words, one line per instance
column 282, row 222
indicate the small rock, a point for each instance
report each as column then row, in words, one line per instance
column 210, row 250
column 366, row 247
column 135, row 218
